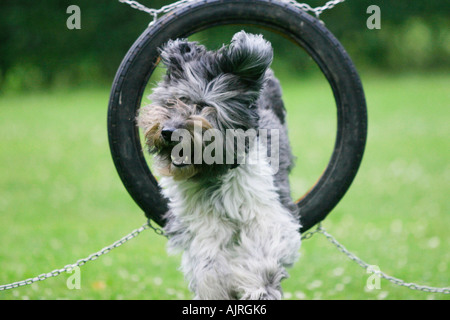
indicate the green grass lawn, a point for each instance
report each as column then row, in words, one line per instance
column 61, row 199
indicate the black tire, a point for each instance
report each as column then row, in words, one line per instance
column 302, row 29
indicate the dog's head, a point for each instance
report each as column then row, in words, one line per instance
column 204, row 94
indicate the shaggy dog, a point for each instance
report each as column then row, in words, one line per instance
column 217, row 129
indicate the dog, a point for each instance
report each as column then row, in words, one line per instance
column 232, row 218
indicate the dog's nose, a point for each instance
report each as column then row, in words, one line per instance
column 166, row 133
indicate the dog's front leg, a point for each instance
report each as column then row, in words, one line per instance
column 259, row 279
column 265, row 248
column 209, row 277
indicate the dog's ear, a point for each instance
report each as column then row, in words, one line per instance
column 248, row 56
column 177, row 52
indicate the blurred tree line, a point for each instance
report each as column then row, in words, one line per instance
column 37, row 50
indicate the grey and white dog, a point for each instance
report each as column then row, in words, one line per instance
column 233, row 220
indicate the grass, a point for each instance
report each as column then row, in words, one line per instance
column 61, row 199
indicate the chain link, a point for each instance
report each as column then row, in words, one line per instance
column 155, row 13
column 365, row 265
column 157, row 230
column 309, row 234
column 80, row 262
column 318, row 10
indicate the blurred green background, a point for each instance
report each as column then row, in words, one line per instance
column 61, row 198
column 38, row 51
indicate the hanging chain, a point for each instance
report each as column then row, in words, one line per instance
column 81, row 262
column 318, row 10
column 157, row 230
column 365, row 265
column 148, row 225
column 309, row 234
column 155, row 13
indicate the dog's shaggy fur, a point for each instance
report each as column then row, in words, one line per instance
column 234, row 222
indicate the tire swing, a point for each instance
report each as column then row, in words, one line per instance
column 281, row 17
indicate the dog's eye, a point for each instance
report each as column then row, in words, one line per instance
column 171, row 103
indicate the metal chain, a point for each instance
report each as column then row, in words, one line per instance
column 365, row 265
column 318, row 10
column 309, row 234
column 148, row 225
column 81, row 262
column 157, row 230
column 155, row 13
